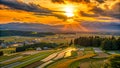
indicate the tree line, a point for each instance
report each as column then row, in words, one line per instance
column 23, row 33
column 96, row 41
column 34, row 46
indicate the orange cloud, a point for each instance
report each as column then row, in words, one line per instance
column 23, row 16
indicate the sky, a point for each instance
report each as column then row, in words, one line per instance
column 57, row 12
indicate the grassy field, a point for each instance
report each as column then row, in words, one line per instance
column 8, row 50
column 26, row 60
column 89, row 50
column 40, row 56
column 64, row 63
column 88, row 63
column 17, row 38
column 47, row 39
column 74, row 53
column 3, row 58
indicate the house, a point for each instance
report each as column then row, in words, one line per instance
column 3, row 45
column 46, row 48
column 38, row 49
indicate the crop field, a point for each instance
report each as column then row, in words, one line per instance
column 101, row 55
column 8, row 50
column 3, row 58
column 58, row 38
column 64, row 63
column 83, row 57
column 26, row 60
column 66, row 58
column 30, row 59
column 88, row 63
column 60, row 55
column 17, row 38
column 80, row 53
column 40, row 62
column 88, row 51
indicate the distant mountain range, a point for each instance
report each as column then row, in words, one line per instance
column 28, row 27
column 96, row 27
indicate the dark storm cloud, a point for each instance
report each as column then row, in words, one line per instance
column 37, row 9
column 78, row 1
column 88, row 15
column 75, row 1
column 100, row 1
column 15, row 4
column 113, row 12
column 58, row 1
column 98, row 11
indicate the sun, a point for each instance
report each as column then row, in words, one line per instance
column 69, row 10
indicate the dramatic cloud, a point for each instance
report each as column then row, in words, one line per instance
column 100, row 1
column 16, row 4
column 109, row 8
column 88, row 15
column 58, row 1
column 75, row 1
column 31, row 7
column 42, row 10
column 113, row 11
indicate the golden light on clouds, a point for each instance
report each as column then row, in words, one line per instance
column 70, row 13
column 72, row 25
column 7, row 16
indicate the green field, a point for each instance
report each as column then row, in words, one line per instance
column 26, row 60
column 8, row 50
column 40, row 56
column 17, row 38
column 88, row 63
column 3, row 58
column 64, row 63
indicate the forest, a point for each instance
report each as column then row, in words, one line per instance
column 96, row 41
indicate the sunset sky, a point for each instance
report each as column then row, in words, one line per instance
column 55, row 12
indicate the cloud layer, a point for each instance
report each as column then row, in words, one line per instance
column 109, row 8
column 90, row 10
column 16, row 4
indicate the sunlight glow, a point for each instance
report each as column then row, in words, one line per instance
column 74, row 26
column 69, row 10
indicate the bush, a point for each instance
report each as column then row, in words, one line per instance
column 34, row 46
column 1, row 53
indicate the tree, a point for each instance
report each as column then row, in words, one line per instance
column 106, row 44
column 1, row 41
column 118, row 43
column 71, row 42
column 1, row 53
column 114, row 45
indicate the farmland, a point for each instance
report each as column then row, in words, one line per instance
column 66, row 58
column 74, row 60
column 17, row 38
column 26, row 60
column 70, row 56
column 58, row 38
